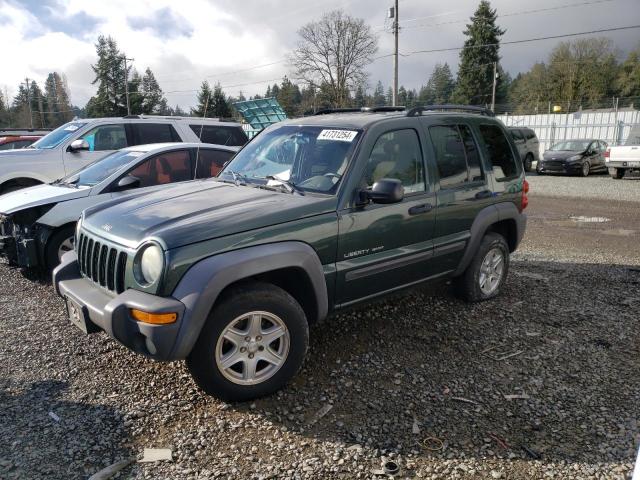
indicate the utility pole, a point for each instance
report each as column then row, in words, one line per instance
column 126, row 82
column 493, row 94
column 29, row 102
column 396, row 27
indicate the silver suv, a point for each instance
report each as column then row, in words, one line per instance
column 80, row 142
column 527, row 144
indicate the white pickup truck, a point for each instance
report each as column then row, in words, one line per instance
column 624, row 158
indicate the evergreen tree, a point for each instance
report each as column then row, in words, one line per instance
column 4, row 112
column 441, row 84
column 481, row 50
column 289, row 97
column 59, row 108
column 389, row 97
column 136, row 96
column 152, row 94
column 29, row 107
column 378, row 98
column 359, row 97
column 109, row 100
column 307, row 100
column 205, row 102
column 402, row 96
column 220, row 107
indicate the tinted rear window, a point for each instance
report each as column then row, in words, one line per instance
column 499, row 152
column 220, row 134
column 144, row 133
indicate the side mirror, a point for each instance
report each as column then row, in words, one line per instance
column 125, row 183
column 78, row 145
column 385, row 190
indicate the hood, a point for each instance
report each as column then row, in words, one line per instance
column 196, row 211
column 561, row 154
column 39, row 195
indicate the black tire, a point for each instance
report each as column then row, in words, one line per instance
column 246, row 298
column 538, row 171
column 618, row 173
column 528, row 162
column 53, row 245
column 585, row 169
column 467, row 286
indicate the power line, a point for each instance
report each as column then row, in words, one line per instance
column 511, row 14
column 513, row 42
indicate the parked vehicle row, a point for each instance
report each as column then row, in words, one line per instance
column 574, row 157
column 37, row 224
column 312, row 216
column 16, row 138
column 80, row 142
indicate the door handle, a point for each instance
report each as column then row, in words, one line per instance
column 418, row 209
column 484, row 194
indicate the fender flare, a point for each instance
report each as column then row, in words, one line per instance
column 201, row 286
column 485, row 218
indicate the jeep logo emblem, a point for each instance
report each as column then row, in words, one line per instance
column 106, row 227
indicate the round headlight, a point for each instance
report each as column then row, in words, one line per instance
column 151, row 263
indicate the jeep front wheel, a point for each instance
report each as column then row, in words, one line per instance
column 487, row 271
column 252, row 344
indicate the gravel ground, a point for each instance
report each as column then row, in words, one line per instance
column 420, row 378
column 595, row 186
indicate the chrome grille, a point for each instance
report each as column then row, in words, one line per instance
column 101, row 262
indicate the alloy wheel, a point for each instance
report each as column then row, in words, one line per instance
column 252, row 348
column 491, row 271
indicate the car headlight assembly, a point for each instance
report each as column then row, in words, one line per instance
column 148, row 264
column 575, row 158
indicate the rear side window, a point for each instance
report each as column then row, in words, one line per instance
column 450, row 156
column 144, row 133
column 517, row 135
column 167, row 167
column 499, row 152
column 220, row 135
column 210, row 162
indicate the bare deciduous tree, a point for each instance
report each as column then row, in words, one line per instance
column 333, row 53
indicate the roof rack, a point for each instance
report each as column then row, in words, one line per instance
column 415, row 111
column 379, row 108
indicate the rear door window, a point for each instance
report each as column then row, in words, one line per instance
column 144, row 133
column 166, row 167
column 220, row 134
column 209, row 162
column 499, row 152
column 450, row 155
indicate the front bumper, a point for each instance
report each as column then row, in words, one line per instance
column 559, row 167
column 20, row 248
column 631, row 164
column 111, row 313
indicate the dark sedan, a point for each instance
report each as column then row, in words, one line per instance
column 576, row 157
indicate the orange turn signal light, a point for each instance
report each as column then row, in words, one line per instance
column 154, row 318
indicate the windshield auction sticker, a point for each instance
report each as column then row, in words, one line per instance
column 339, row 135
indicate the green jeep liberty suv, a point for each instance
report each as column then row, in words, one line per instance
column 311, row 216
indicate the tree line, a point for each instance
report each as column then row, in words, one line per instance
column 329, row 67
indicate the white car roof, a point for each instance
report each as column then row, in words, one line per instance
column 151, row 147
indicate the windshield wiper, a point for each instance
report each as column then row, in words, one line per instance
column 291, row 187
column 236, row 176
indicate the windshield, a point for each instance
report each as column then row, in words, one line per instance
column 311, row 158
column 97, row 171
column 59, row 135
column 571, row 145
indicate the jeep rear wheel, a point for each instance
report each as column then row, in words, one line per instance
column 487, row 272
column 252, row 344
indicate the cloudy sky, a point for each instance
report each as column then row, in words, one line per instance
column 185, row 42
